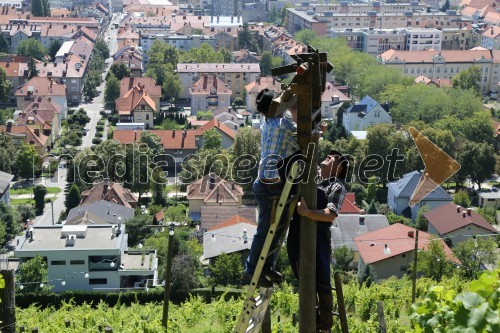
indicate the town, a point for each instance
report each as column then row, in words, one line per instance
column 130, row 140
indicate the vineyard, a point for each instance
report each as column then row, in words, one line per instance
column 438, row 309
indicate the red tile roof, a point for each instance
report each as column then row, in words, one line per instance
column 29, row 135
column 428, row 56
column 446, row 219
column 171, row 139
column 113, row 192
column 211, row 217
column 134, row 97
column 218, row 125
column 268, row 82
column 397, row 237
column 348, row 205
column 209, row 84
column 42, row 86
column 232, row 221
column 150, row 85
column 214, row 190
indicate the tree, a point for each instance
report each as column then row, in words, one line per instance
column 31, row 48
column 343, row 256
column 238, row 101
column 27, row 161
column 89, row 88
column 359, row 191
column 120, row 70
column 372, row 208
column 371, row 190
column 112, row 90
column 138, row 169
column 445, row 7
column 137, row 228
column 246, row 151
column 305, row 36
column 3, row 233
column 461, row 198
column 266, row 63
column 25, row 212
column 379, row 143
column 212, row 139
column 421, row 222
column 73, row 198
column 468, row 79
column 33, row 270
column 474, row 254
column 4, row 46
column 478, row 161
column 158, row 187
column 433, row 262
column 101, row 47
column 246, row 39
column 227, row 270
column 184, row 277
column 54, row 47
column 33, row 71
column 10, row 221
column 4, row 86
column 171, row 86
column 39, row 193
column 153, row 142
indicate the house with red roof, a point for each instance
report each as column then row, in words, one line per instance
column 490, row 38
column 209, row 93
column 22, row 133
column 109, row 191
column 136, row 106
column 42, row 86
column 457, row 223
column 331, row 100
column 233, row 235
column 389, row 251
column 227, row 134
column 254, row 88
column 149, row 84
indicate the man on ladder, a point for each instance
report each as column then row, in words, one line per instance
column 330, row 196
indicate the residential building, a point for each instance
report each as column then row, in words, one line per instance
column 109, row 191
column 400, row 192
column 331, row 100
column 16, row 72
column 348, row 226
column 209, row 93
column 5, row 179
column 88, row 257
column 457, row 223
column 244, row 56
column 230, row 118
column 418, row 39
column 45, row 87
column 364, row 114
column 153, row 89
column 230, row 236
column 389, row 251
column 370, row 40
column 443, row 64
column 127, row 36
column 13, row 34
column 298, row 20
column 131, row 57
column 490, row 38
column 236, row 76
column 180, row 42
column 228, row 39
column 100, row 212
column 226, row 134
column 136, row 106
column 349, row 205
column 210, row 217
column 254, row 88
column 489, row 199
column 212, row 190
column 24, row 134
column 460, row 39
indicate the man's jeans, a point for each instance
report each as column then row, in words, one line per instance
column 263, row 192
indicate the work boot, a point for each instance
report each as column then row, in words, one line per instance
column 262, row 283
column 273, row 275
column 325, row 312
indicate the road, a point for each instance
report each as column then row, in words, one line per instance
column 93, row 111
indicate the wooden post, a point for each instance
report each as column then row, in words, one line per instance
column 8, row 304
column 266, row 322
column 340, row 302
column 166, row 295
column 415, row 260
column 381, row 318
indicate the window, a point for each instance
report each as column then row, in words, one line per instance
column 147, row 116
column 403, row 268
column 58, row 262
column 98, row 281
column 77, row 262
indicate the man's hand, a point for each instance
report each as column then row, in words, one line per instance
column 302, row 208
column 323, row 127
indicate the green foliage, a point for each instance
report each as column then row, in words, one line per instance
column 343, row 256
column 227, row 270
column 25, row 212
column 488, row 213
column 54, row 47
column 461, row 198
column 5, row 114
column 205, row 54
column 171, row 86
column 33, row 71
column 474, row 257
column 170, row 124
column 9, row 223
column 4, row 86
column 371, row 190
column 394, row 218
column 40, row 8
column 204, row 115
column 4, row 46
column 247, row 40
column 372, row 207
column 79, row 117
column 73, row 198
column 433, row 262
column 137, row 228
column 445, row 6
column 246, row 151
column 212, row 139
column 176, row 213
column 120, row 70
column 468, row 79
column 101, row 47
column 31, row 274
column 112, row 90
column 359, row 192
column 31, row 48
column 421, row 222
column 442, row 310
column 39, row 193
column 204, row 162
column 27, row 161
column 305, row 36
column 266, row 63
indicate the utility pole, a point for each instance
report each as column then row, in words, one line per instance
column 8, row 304
column 166, row 295
column 415, row 256
column 52, row 204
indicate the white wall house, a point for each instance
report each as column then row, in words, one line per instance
column 88, row 257
column 364, row 114
column 400, row 192
column 5, row 179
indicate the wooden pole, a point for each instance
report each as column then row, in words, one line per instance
column 168, row 270
column 266, row 323
column 415, row 259
column 8, row 304
column 381, row 318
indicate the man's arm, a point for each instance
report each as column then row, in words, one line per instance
column 320, row 215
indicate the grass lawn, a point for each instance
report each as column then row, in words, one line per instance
column 16, row 202
column 50, row 190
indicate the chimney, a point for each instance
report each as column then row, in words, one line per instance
column 458, row 209
column 469, row 211
column 173, row 133
column 9, row 126
column 184, row 132
column 464, row 214
column 37, row 131
column 411, row 233
column 135, row 136
column 491, row 30
column 70, row 240
column 211, row 181
column 361, row 219
column 105, row 188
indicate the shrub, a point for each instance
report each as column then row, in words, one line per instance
column 96, row 141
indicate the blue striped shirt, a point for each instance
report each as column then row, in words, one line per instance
column 277, row 142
